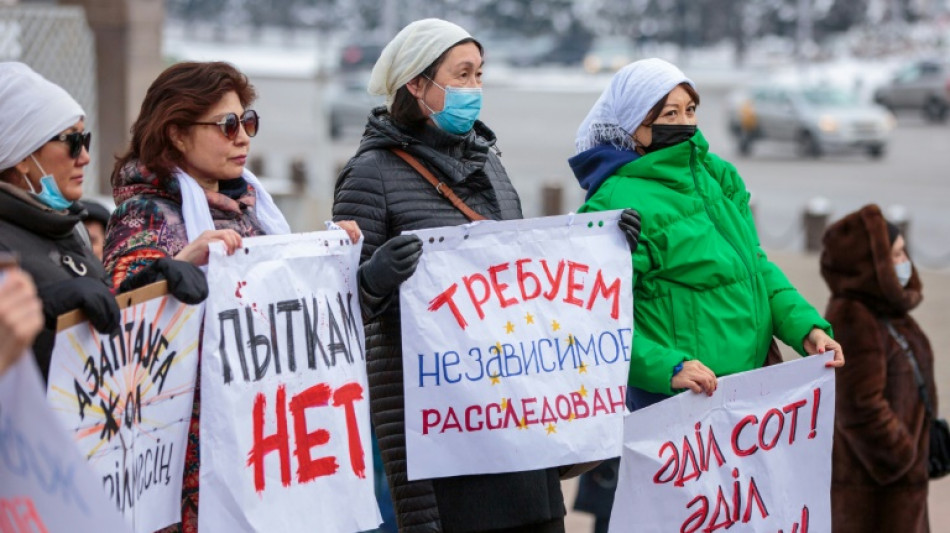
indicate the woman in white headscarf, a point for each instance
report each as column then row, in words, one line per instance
column 707, row 299
column 431, row 76
column 43, row 151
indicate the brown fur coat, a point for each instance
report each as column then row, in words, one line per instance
column 879, row 465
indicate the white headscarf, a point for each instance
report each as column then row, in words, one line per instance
column 620, row 110
column 197, row 215
column 32, row 111
column 413, row 49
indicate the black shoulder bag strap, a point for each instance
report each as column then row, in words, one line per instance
column 921, row 384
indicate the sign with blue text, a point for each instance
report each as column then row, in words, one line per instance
column 284, row 400
column 755, row 455
column 126, row 398
column 45, row 484
column 516, row 336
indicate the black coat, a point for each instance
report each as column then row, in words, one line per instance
column 386, row 196
column 50, row 248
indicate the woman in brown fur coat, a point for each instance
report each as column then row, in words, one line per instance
column 879, row 466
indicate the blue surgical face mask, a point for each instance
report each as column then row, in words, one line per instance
column 904, row 271
column 49, row 192
column 460, row 110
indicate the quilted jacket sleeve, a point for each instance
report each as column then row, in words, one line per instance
column 792, row 316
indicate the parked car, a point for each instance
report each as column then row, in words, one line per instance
column 609, row 54
column 817, row 119
column 922, row 86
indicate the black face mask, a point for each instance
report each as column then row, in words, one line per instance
column 666, row 135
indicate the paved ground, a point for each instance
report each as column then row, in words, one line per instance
column 802, row 270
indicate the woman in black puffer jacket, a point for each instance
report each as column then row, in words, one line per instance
column 421, row 71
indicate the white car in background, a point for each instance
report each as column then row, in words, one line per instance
column 818, row 120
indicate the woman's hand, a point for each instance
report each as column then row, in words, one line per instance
column 696, row 377
column 196, row 252
column 21, row 316
column 352, row 229
column 818, row 341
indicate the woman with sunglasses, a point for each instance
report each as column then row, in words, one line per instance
column 43, row 151
column 182, row 184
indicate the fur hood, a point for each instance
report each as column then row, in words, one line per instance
column 856, row 263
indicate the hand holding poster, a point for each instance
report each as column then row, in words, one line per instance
column 285, row 433
column 45, row 485
column 126, row 397
column 757, row 454
column 516, row 336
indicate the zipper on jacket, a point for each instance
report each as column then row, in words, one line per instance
column 692, row 171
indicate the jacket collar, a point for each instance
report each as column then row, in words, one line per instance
column 21, row 209
column 669, row 165
column 455, row 157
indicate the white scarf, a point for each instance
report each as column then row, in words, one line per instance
column 194, row 206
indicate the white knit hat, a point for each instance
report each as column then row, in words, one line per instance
column 620, row 110
column 410, row 52
column 32, row 111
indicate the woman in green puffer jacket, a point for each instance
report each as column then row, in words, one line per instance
column 707, row 299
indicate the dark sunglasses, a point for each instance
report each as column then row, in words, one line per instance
column 230, row 124
column 76, row 141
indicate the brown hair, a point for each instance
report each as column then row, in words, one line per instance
column 405, row 109
column 178, row 97
column 658, row 108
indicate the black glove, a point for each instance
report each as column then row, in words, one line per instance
column 629, row 224
column 185, row 281
column 89, row 294
column 391, row 264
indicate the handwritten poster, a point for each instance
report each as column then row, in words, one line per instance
column 755, row 455
column 45, row 484
column 516, row 336
column 126, row 398
column 284, row 399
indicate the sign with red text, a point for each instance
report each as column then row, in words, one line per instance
column 516, row 336
column 45, row 484
column 126, row 398
column 285, row 434
column 756, row 455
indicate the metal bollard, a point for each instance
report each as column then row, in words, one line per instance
column 298, row 175
column 256, row 165
column 814, row 221
column 552, row 199
column 898, row 215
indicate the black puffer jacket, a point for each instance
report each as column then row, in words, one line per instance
column 386, row 196
column 50, row 248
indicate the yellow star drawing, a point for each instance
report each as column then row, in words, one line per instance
column 523, row 423
column 509, row 327
column 555, row 326
column 504, row 403
column 496, row 379
column 551, row 429
column 529, row 318
column 582, row 369
column 582, row 392
column 571, row 417
column 570, row 340
column 498, row 346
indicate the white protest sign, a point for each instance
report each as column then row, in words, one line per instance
column 285, row 435
column 126, row 397
column 516, row 336
column 45, row 484
column 756, row 455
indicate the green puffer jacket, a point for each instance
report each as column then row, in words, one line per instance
column 703, row 287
